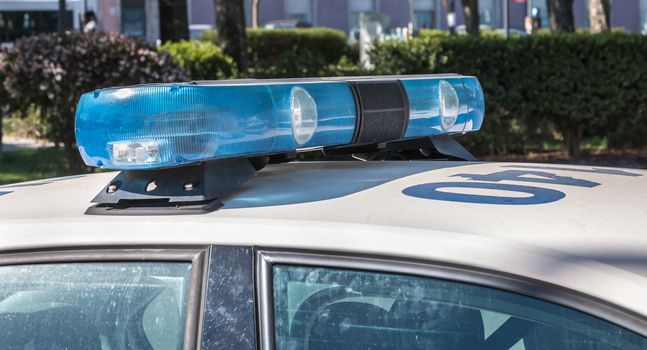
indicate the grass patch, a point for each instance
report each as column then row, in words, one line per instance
column 30, row 126
column 591, row 145
column 595, row 144
column 7, row 126
column 33, row 164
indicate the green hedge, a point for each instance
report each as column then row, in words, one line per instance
column 563, row 87
column 201, row 60
column 432, row 33
column 285, row 53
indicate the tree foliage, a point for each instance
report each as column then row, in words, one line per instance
column 51, row 71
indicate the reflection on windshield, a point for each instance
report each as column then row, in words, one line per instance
column 332, row 309
column 93, row 306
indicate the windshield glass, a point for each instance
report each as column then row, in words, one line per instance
column 93, row 306
column 320, row 308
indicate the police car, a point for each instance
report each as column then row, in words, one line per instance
column 208, row 239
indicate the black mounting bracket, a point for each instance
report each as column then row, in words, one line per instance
column 193, row 189
column 435, row 147
column 451, row 148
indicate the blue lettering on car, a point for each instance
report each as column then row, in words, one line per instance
column 537, row 177
column 537, row 195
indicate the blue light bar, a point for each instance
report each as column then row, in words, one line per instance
column 166, row 125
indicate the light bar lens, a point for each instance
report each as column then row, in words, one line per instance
column 445, row 105
column 165, row 125
column 304, row 115
column 158, row 126
column 134, row 153
column 448, row 102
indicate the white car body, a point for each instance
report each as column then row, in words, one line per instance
column 592, row 241
column 584, row 248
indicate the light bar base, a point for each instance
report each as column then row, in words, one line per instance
column 185, row 190
column 448, row 146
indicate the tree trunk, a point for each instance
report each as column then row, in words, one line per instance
column 74, row 161
column 599, row 15
column 471, row 14
column 255, row 4
column 174, row 21
column 61, row 16
column 450, row 7
column 560, row 13
column 500, row 147
column 572, row 137
column 230, row 20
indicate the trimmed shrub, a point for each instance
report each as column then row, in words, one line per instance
column 432, row 33
column 201, row 60
column 210, row 35
column 284, row 53
column 575, row 84
column 51, row 71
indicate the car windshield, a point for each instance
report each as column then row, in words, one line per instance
column 93, row 306
column 321, row 308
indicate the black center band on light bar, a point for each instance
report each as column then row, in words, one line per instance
column 382, row 110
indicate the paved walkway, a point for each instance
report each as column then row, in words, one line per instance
column 11, row 143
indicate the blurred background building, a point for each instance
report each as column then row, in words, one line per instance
column 153, row 19
column 343, row 14
column 20, row 18
column 149, row 19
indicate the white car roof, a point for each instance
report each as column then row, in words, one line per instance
column 583, row 228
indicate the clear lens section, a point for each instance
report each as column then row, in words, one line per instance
column 443, row 105
column 448, row 101
column 134, row 153
column 477, row 105
column 304, row 115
